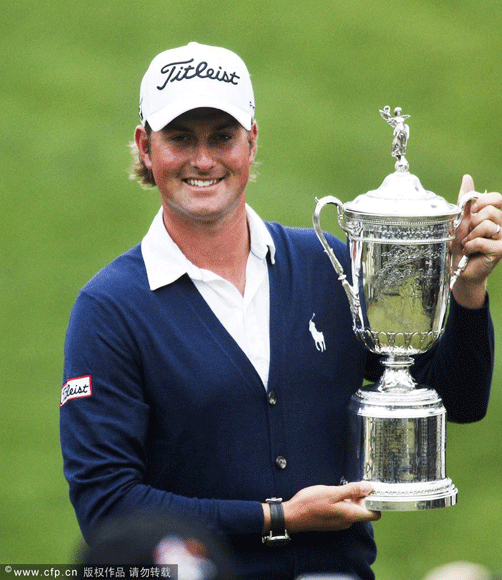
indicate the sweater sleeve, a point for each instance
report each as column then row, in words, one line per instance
column 460, row 367
column 104, row 418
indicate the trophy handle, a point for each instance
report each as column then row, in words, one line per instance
column 462, row 265
column 316, row 219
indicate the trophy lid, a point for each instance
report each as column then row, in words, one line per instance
column 401, row 193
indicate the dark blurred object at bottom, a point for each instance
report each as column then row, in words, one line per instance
column 180, row 549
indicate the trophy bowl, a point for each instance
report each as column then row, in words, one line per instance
column 401, row 277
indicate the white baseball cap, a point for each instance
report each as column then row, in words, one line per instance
column 193, row 76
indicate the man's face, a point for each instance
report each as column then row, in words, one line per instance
column 200, row 162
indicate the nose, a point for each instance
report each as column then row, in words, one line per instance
column 202, row 159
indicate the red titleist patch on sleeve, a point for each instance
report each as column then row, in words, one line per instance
column 76, row 388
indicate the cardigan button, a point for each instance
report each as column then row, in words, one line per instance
column 281, row 462
column 272, row 398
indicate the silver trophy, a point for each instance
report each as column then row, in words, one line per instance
column 401, row 277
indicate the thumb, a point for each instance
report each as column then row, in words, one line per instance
column 355, row 490
column 466, row 186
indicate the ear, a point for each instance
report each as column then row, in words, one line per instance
column 253, row 141
column 143, row 145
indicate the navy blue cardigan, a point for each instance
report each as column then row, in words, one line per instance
column 168, row 413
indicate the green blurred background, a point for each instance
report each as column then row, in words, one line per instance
column 69, row 83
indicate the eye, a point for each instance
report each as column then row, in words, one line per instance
column 180, row 138
column 223, row 137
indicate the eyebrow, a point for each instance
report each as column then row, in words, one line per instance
column 174, row 126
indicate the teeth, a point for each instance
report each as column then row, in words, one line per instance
column 202, row 182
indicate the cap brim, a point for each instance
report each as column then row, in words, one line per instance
column 160, row 119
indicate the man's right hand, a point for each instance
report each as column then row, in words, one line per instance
column 325, row 508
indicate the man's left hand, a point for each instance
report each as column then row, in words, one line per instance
column 479, row 236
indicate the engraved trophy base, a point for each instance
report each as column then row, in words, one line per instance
column 412, row 496
column 398, row 444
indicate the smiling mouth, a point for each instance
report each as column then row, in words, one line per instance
column 202, row 182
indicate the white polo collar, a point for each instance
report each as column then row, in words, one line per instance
column 165, row 262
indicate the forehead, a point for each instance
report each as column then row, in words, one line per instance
column 203, row 116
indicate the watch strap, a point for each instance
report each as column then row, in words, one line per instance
column 278, row 535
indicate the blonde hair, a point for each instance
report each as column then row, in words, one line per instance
column 139, row 171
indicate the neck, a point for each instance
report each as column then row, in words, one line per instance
column 221, row 247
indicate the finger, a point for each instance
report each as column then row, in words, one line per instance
column 356, row 511
column 485, row 211
column 354, row 491
column 488, row 249
column 466, row 186
column 488, row 229
column 487, row 199
column 485, row 223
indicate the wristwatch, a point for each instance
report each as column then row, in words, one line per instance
column 278, row 535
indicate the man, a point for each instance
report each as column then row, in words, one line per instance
column 192, row 382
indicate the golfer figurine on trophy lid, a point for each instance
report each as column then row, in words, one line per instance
column 398, row 237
